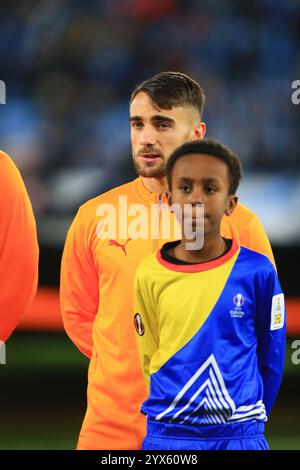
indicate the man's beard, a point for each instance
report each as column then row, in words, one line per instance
column 148, row 170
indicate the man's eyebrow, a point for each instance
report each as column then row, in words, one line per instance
column 135, row 118
column 160, row 117
column 155, row 118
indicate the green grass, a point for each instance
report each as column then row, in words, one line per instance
column 284, row 442
column 43, row 396
column 48, row 431
column 43, row 351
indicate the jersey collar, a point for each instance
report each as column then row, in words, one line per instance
column 199, row 267
column 144, row 195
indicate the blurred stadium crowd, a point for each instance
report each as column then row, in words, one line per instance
column 70, row 66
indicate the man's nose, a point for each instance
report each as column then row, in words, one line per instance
column 147, row 136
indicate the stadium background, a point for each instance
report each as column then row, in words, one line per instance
column 69, row 67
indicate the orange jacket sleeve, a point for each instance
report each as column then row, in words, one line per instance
column 255, row 238
column 19, row 250
column 79, row 297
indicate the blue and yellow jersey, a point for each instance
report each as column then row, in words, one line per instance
column 211, row 338
column 97, row 295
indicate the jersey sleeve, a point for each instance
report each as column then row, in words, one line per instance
column 79, row 288
column 19, row 251
column 146, row 326
column 255, row 238
column 271, row 332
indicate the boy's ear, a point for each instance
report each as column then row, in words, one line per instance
column 232, row 203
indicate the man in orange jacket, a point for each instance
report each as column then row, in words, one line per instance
column 19, row 250
column 98, row 266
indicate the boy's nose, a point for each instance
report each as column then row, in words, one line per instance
column 196, row 197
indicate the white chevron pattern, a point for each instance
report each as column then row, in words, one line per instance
column 215, row 405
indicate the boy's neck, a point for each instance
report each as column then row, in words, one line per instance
column 214, row 246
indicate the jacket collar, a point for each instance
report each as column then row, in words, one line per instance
column 144, row 195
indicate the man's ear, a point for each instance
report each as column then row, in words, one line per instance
column 199, row 131
column 232, row 203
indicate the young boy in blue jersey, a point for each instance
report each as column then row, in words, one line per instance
column 210, row 321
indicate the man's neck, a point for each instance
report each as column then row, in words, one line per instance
column 155, row 185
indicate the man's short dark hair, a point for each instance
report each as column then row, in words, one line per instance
column 170, row 89
column 208, row 147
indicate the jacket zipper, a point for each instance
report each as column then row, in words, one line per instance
column 160, row 201
column 156, row 240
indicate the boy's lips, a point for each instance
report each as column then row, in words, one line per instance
column 195, row 219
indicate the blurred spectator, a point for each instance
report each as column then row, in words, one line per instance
column 70, row 65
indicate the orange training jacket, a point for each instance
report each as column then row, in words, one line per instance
column 97, row 293
column 19, row 250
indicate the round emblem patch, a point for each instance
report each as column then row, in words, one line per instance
column 238, row 300
column 140, row 329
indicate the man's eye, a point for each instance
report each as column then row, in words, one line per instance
column 136, row 124
column 163, row 125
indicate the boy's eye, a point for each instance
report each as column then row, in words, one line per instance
column 185, row 188
column 210, row 189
